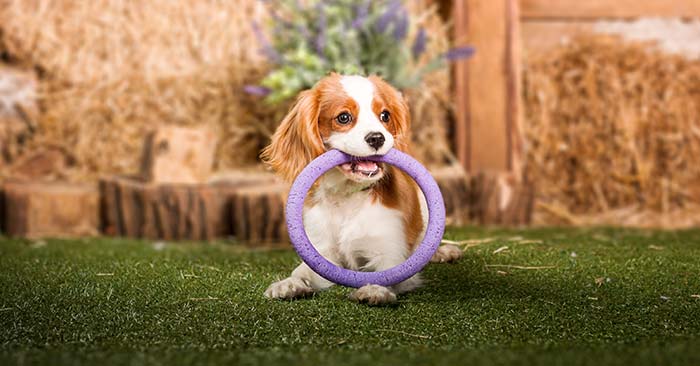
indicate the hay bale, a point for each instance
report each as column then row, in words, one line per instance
column 112, row 71
column 612, row 128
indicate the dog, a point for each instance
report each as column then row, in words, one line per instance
column 360, row 215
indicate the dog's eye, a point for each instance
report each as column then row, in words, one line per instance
column 344, row 118
column 384, row 116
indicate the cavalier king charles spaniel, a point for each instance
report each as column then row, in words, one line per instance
column 361, row 215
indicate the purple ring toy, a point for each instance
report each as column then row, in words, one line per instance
column 420, row 257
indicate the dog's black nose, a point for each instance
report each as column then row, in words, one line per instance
column 375, row 139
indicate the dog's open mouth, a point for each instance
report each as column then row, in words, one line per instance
column 362, row 169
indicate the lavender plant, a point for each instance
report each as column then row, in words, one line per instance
column 314, row 37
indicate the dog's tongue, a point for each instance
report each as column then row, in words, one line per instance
column 366, row 166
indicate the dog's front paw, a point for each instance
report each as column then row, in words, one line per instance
column 447, row 253
column 373, row 295
column 289, row 288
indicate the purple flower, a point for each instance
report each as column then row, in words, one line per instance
column 388, row 16
column 257, row 90
column 304, row 32
column 401, row 26
column 265, row 45
column 362, row 11
column 321, row 37
column 419, row 43
column 459, row 53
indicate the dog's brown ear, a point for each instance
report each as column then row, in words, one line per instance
column 402, row 133
column 297, row 140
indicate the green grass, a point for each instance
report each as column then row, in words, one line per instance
column 612, row 297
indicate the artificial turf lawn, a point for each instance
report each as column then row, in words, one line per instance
column 613, row 296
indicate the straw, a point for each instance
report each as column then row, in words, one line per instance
column 111, row 71
column 613, row 134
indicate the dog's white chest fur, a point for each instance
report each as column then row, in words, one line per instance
column 354, row 229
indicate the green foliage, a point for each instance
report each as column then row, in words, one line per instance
column 344, row 36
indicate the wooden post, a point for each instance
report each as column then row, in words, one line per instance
column 489, row 111
column 488, row 86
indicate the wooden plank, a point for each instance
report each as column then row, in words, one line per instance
column 487, row 85
column 542, row 35
column 538, row 36
column 621, row 9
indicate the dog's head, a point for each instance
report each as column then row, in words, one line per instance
column 357, row 115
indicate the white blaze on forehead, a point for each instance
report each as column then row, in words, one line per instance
column 361, row 90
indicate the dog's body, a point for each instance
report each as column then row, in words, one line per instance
column 361, row 215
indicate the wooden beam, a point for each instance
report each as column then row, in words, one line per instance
column 621, row 9
column 461, row 77
column 539, row 36
column 515, row 115
column 488, row 85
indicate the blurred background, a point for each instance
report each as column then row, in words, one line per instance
column 530, row 112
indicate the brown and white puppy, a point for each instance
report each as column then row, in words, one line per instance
column 361, row 215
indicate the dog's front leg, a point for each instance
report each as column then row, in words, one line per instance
column 447, row 253
column 381, row 295
column 303, row 282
